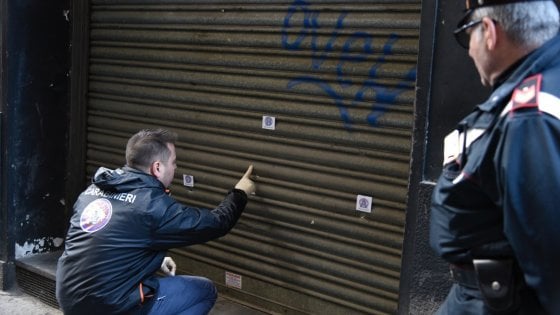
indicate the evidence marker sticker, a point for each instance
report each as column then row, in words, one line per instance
column 364, row 203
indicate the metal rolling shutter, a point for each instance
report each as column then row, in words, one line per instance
column 338, row 77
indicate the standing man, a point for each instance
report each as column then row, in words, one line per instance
column 495, row 214
column 121, row 228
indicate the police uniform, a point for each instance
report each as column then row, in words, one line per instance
column 120, row 230
column 497, row 201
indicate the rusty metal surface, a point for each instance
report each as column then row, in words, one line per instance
column 339, row 79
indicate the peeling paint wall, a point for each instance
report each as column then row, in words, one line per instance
column 38, row 246
column 36, row 66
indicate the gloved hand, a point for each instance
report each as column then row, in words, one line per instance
column 168, row 266
column 245, row 183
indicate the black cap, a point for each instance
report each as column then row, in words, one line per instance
column 473, row 4
column 470, row 5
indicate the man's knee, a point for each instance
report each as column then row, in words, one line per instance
column 202, row 285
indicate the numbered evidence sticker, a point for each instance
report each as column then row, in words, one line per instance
column 364, row 203
column 269, row 122
column 233, row 280
column 188, row 180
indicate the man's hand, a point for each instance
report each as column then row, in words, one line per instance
column 245, row 183
column 168, row 266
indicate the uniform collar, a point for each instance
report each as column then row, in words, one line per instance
column 508, row 72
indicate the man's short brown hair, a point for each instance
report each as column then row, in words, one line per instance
column 148, row 146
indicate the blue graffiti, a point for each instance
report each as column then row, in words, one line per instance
column 361, row 42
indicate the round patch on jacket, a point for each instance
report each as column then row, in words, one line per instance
column 96, row 215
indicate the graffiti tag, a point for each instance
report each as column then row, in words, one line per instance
column 356, row 49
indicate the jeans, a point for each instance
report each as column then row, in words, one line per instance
column 181, row 295
column 462, row 301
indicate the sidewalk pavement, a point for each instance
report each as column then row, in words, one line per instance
column 18, row 303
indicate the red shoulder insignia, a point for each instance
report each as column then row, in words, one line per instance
column 526, row 94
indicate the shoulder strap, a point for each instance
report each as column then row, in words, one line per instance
column 549, row 104
column 528, row 94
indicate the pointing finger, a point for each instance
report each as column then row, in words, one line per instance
column 249, row 171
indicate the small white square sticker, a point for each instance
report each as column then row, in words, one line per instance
column 233, row 280
column 188, row 180
column 364, row 203
column 269, row 122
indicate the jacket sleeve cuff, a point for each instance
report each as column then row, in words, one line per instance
column 240, row 193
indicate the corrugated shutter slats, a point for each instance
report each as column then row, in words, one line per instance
column 338, row 77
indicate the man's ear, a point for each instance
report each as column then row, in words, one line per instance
column 155, row 168
column 490, row 33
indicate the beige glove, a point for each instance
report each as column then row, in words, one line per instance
column 246, row 184
column 168, row 266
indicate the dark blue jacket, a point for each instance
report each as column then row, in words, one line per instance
column 119, row 233
column 501, row 198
